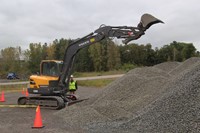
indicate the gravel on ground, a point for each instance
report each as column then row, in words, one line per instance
column 162, row 98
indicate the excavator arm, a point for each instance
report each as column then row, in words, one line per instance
column 126, row 33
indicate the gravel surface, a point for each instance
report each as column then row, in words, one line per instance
column 163, row 98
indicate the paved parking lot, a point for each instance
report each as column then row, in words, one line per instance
column 21, row 120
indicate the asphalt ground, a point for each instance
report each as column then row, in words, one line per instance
column 20, row 119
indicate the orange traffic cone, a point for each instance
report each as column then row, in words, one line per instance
column 23, row 91
column 26, row 94
column 2, row 99
column 38, row 119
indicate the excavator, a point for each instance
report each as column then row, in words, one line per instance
column 49, row 88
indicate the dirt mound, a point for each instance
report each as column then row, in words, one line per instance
column 163, row 98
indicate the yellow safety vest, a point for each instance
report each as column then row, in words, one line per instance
column 72, row 85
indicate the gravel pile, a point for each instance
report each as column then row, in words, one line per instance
column 162, row 98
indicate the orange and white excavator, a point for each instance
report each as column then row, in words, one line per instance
column 51, row 86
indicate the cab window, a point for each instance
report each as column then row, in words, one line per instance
column 50, row 69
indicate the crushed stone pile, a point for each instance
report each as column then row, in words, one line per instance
column 162, row 98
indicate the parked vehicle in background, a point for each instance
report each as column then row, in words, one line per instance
column 12, row 75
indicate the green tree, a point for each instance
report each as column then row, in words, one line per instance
column 44, row 51
column 35, row 57
column 114, row 61
column 164, row 54
column 51, row 51
column 188, row 51
column 11, row 59
column 150, row 56
column 95, row 55
column 104, row 55
column 60, row 48
column 125, row 54
column 176, row 51
column 133, row 54
column 83, row 61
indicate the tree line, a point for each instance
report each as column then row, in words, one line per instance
column 101, row 56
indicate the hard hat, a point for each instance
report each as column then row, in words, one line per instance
column 71, row 76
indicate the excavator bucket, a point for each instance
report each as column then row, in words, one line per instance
column 147, row 21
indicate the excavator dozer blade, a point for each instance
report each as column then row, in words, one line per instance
column 76, row 101
column 147, row 21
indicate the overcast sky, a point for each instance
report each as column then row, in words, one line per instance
column 32, row 21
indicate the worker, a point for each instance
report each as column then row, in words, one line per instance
column 53, row 71
column 72, row 85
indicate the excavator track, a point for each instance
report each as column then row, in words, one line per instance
column 50, row 102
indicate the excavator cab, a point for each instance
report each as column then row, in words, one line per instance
column 49, row 70
column 51, row 67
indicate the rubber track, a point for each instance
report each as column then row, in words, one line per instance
column 38, row 100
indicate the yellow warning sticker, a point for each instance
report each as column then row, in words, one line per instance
column 92, row 39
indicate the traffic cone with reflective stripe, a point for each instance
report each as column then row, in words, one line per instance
column 38, row 119
column 26, row 94
column 2, row 99
column 23, row 91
